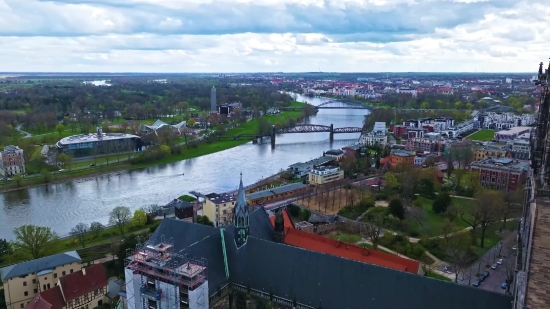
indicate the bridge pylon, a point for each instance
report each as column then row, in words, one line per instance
column 273, row 136
column 331, row 132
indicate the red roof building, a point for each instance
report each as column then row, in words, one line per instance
column 330, row 246
column 85, row 287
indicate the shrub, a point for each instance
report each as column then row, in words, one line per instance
column 396, row 209
column 441, row 203
column 294, row 211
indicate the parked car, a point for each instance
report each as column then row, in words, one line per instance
column 476, row 283
column 504, row 286
column 514, row 248
column 499, row 262
column 494, row 266
column 93, row 164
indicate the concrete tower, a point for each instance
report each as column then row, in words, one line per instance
column 213, row 105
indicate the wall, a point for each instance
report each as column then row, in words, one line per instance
column 199, row 299
column 170, row 296
column 132, row 289
column 14, row 290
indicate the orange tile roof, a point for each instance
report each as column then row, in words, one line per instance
column 327, row 245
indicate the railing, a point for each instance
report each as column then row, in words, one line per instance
column 276, row 299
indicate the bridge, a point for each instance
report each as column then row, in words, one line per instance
column 343, row 104
column 299, row 128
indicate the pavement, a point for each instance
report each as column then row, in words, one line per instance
column 27, row 134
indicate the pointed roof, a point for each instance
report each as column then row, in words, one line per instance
column 241, row 205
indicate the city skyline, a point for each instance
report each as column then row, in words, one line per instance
column 272, row 36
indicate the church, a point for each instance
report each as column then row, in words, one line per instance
column 248, row 265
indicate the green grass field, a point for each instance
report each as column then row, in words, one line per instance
column 483, row 135
column 434, row 221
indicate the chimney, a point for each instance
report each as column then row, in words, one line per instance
column 84, row 271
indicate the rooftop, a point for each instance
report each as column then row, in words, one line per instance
column 94, row 137
column 325, row 168
column 10, row 149
column 38, row 265
column 334, row 152
column 503, row 164
column 514, row 130
column 401, row 153
column 220, row 198
column 538, row 294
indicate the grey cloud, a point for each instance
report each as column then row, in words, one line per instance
column 519, row 34
column 353, row 23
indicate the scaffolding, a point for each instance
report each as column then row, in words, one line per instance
column 166, row 277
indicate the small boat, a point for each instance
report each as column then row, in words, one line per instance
column 182, row 174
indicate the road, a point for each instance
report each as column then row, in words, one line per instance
column 18, row 128
column 497, row 276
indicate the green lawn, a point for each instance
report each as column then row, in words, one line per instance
column 435, row 275
column 483, row 135
column 434, row 221
column 369, row 246
column 347, row 238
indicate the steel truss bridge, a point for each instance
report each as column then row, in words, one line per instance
column 314, row 128
column 343, row 104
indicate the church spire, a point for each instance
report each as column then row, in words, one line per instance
column 241, row 219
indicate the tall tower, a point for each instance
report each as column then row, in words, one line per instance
column 241, row 220
column 213, row 105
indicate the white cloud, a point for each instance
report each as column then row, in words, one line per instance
column 268, row 35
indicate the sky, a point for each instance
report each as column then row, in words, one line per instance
column 273, row 35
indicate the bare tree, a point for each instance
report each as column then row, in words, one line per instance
column 511, row 203
column 374, row 229
column 80, row 231
column 452, row 212
column 120, row 216
column 95, row 228
column 484, row 212
column 447, row 229
column 333, row 196
column 417, row 214
column 458, row 254
column 508, row 269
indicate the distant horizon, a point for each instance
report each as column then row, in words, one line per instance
column 266, row 72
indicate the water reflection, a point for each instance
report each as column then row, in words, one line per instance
column 61, row 206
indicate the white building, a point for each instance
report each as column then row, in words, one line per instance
column 410, row 91
column 157, row 278
column 372, row 138
column 325, row 174
column 12, row 161
column 379, row 127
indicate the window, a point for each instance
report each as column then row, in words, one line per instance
column 99, row 302
column 44, row 287
column 63, row 273
column 55, row 275
column 48, row 286
column 35, row 291
column 33, row 281
column 24, row 283
column 22, row 306
column 26, row 293
column 71, row 270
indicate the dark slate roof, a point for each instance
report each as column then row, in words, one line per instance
column 260, row 226
column 40, row 264
column 179, row 204
column 342, row 283
column 184, row 233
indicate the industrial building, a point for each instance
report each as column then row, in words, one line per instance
column 99, row 143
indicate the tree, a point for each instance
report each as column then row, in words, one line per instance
column 458, row 254
column 34, row 241
column 484, row 212
column 452, row 212
column 418, row 214
column 390, row 180
column 204, row 220
column 447, row 231
column 63, row 158
column 18, row 178
column 191, row 122
column 120, row 216
column 80, row 231
column 4, row 249
column 426, row 188
column 139, row 218
column 60, row 128
column 511, row 203
column 396, row 209
column 95, row 228
column 46, row 175
column 441, row 203
column 374, row 229
column 508, row 269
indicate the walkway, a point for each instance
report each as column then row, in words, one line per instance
column 27, row 134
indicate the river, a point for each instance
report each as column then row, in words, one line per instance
column 61, row 206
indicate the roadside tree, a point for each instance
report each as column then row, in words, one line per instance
column 120, row 216
column 483, row 213
column 80, row 231
column 139, row 218
column 96, row 228
column 35, row 241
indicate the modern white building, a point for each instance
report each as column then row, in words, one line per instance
column 379, row 127
column 373, row 138
column 325, row 174
column 12, row 161
column 158, row 278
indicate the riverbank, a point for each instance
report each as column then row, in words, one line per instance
column 249, row 127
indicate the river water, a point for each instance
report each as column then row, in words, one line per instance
column 61, row 206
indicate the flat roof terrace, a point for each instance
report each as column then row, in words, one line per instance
column 94, row 137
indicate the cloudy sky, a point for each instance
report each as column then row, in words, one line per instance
column 273, row 35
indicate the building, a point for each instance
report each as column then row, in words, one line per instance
column 425, row 144
column 86, row 288
column 401, row 156
column 511, row 134
column 416, row 132
column 302, row 169
column 301, row 237
column 521, row 145
column 379, row 127
column 501, row 174
column 325, row 174
column 86, row 145
column 278, row 193
column 12, row 161
column 373, row 138
column 182, row 210
column 213, row 104
column 490, row 150
column 337, row 154
column 23, row 281
column 197, row 266
column 219, row 208
column 400, row 131
column 161, row 125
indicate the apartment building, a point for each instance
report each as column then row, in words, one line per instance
column 398, row 156
column 501, row 174
column 12, row 161
column 373, row 138
column 325, row 174
column 23, row 281
column 219, row 208
column 425, row 144
column 491, row 150
column 511, row 134
column 84, row 289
